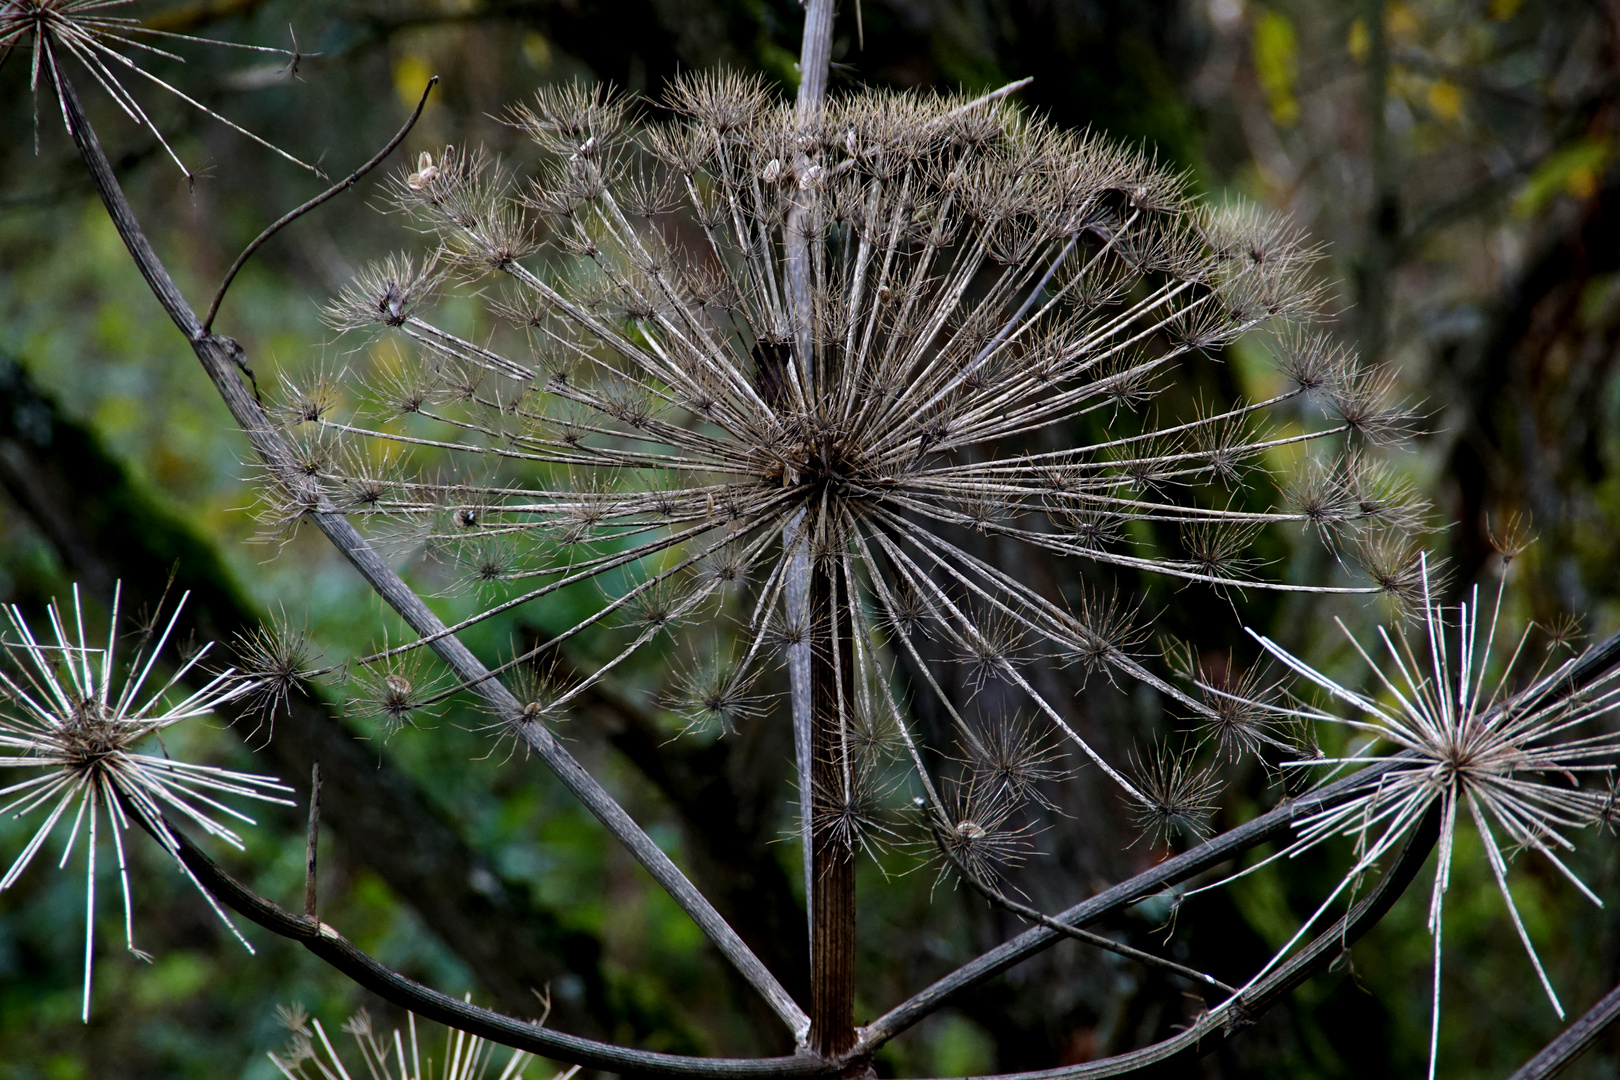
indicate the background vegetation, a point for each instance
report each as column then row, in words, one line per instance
column 1457, row 160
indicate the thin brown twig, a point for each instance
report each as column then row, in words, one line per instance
column 1000, row 899
column 299, row 211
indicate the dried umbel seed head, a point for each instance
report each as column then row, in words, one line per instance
column 870, row 351
column 1014, row 754
column 309, row 398
column 79, row 712
column 1234, row 708
column 852, row 813
column 396, row 689
column 979, row 826
column 1563, row 632
column 1521, row 759
column 277, row 658
column 311, row 1054
column 385, row 293
column 84, row 30
column 540, row 688
column 1510, row 535
column 1175, row 797
column 1099, row 631
column 1398, row 566
column 714, row 695
column 487, row 564
column 990, row 650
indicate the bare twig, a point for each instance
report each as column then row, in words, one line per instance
column 995, row 896
column 1209, row 854
column 297, row 212
column 1220, row 1023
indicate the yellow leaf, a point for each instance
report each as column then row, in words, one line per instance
column 1503, row 10
column 411, row 75
column 537, row 50
column 1445, row 100
column 1401, row 23
column 1576, row 169
column 1358, row 43
column 1582, row 182
column 1276, row 64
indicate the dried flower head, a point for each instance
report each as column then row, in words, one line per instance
column 396, row 687
column 872, row 340
column 1510, row 536
column 1176, row 796
column 1014, row 754
column 77, row 712
column 104, row 43
column 310, row 1054
column 980, row 825
column 1525, row 765
column 276, row 658
column 715, row 694
column 1238, row 713
column 385, row 293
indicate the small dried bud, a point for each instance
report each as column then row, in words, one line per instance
column 426, row 172
column 1173, row 796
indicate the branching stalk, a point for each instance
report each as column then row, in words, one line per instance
column 222, row 358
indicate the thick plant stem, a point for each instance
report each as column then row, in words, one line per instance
column 821, row 695
column 832, row 930
column 815, row 56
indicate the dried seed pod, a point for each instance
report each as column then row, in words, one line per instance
column 1175, row 797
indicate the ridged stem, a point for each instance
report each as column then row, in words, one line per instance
column 832, row 884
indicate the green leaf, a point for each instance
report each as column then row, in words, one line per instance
column 1276, row 63
column 1574, row 170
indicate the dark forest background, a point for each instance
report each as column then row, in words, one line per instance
column 1456, row 160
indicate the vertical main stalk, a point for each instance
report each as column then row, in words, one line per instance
column 830, row 864
column 832, row 883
